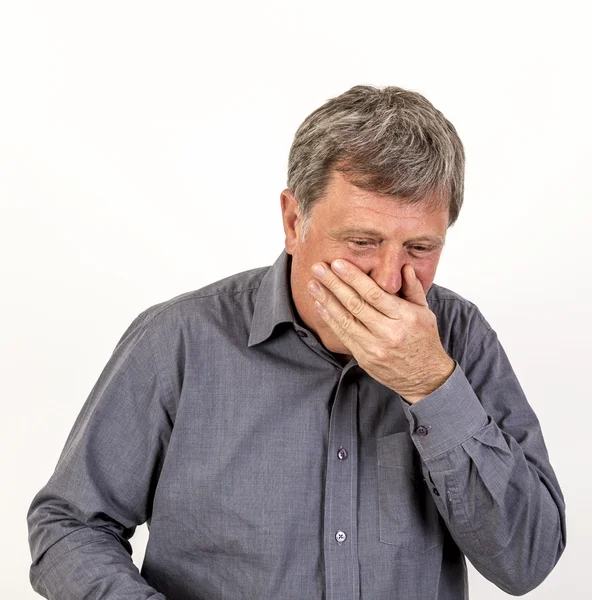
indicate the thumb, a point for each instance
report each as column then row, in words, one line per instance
column 411, row 287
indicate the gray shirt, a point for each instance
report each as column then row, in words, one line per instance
column 267, row 469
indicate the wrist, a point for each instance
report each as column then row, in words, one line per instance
column 440, row 377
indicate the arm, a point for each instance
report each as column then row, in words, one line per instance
column 81, row 520
column 481, row 445
column 486, row 464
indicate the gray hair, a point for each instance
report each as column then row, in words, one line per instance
column 385, row 140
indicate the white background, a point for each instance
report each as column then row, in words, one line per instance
column 143, row 149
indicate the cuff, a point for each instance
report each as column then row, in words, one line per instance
column 445, row 418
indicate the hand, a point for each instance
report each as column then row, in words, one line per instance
column 395, row 340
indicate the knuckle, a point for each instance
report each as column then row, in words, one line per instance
column 354, row 304
column 379, row 354
column 374, row 294
column 396, row 335
column 345, row 321
column 332, row 283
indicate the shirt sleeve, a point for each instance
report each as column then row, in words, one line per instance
column 487, row 466
column 81, row 520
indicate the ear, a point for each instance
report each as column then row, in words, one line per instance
column 291, row 219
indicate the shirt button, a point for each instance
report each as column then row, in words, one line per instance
column 340, row 537
column 423, row 430
column 302, row 334
column 435, row 491
column 342, row 453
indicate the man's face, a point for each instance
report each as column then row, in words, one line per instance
column 373, row 231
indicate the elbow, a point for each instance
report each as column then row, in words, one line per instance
column 527, row 574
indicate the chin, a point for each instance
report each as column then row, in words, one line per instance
column 338, row 349
column 334, row 345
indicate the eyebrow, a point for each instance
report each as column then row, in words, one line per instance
column 432, row 238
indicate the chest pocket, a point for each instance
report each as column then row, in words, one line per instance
column 408, row 516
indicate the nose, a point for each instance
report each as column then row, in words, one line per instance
column 387, row 272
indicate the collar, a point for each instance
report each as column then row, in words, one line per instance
column 274, row 301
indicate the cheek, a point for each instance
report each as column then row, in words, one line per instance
column 425, row 272
column 426, row 277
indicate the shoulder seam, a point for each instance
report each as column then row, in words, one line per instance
column 464, row 301
column 171, row 303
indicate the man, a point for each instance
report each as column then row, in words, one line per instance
column 335, row 426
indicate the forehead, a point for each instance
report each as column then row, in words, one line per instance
column 346, row 206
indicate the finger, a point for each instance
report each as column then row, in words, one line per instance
column 411, row 287
column 341, row 320
column 369, row 290
column 346, row 320
column 350, row 299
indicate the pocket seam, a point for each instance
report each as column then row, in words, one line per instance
column 404, row 472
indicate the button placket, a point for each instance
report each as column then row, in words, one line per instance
column 340, row 551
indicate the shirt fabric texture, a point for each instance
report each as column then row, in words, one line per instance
column 267, row 469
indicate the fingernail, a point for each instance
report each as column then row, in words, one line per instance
column 318, row 270
column 314, row 287
column 320, row 307
column 338, row 266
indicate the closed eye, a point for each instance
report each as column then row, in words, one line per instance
column 369, row 244
column 363, row 245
